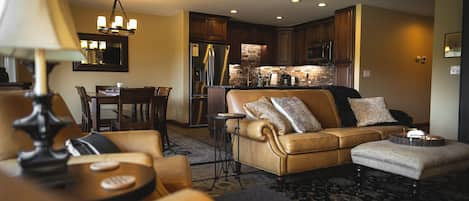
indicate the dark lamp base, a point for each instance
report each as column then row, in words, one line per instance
column 43, row 164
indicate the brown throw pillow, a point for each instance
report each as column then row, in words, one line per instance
column 263, row 109
column 369, row 111
column 297, row 114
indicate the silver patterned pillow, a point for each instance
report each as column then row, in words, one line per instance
column 297, row 114
column 369, row 111
column 263, row 109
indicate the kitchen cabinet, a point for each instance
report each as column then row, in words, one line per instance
column 208, row 28
column 308, row 34
column 344, row 46
column 299, row 49
column 247, row 33
column 284, row 49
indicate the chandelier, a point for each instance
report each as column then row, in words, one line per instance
column 116, row 26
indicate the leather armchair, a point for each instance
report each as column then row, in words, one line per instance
column 142, row 147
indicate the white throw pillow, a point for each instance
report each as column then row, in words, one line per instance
column 370, row 111
column 263, row 109
column 297, row 114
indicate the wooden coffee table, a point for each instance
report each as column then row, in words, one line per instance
column 85, row 184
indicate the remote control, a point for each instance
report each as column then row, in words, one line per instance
column 104, row 166
column 118, row 182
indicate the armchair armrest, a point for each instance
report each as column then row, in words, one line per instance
column 252, row 129
column 187, row 194
column 145, row 141
column 137, row 158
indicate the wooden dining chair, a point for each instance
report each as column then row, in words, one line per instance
column 129, row 97
column 86, row 121
column 162, row 94
column 108, row 114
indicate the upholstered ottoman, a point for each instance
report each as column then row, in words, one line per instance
column 412, row 161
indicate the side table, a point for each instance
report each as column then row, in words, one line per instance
column 223, row 149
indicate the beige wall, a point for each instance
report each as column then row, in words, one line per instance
column 390, row 42
column 157, row 57
column 445, row 87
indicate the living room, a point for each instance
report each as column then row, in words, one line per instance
column 394, row 50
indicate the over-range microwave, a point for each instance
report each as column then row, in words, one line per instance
column 319, row 53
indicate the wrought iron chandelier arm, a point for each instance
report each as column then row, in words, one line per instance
column 123, row 11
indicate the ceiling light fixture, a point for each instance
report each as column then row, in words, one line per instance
column 322, row 4
column 118, row 24
column 295, row 1
column 279, row 17
column 233, row 11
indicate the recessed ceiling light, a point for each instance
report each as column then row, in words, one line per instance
column 233, row 11
column 295, row 1
column 279, row 17
column 322, row 4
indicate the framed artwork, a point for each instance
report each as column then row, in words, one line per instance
column 452, row 45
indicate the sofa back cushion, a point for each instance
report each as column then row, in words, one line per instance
column 13, row 105
column 319, row 102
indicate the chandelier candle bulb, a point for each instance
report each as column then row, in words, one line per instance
column 132, row 24
column 101, row 23
column 119, row 21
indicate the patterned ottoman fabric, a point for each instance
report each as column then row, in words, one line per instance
column 412, row 161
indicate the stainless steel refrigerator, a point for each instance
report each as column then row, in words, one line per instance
column 208, row 67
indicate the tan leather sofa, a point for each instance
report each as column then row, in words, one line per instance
column 142, row 147
column 261, row 146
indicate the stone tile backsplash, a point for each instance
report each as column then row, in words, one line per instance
column 304, row 75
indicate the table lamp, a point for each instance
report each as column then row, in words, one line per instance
column 40, row 30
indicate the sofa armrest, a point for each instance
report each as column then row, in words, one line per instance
column 136, row 158
column 252, row 129
column 145, row 141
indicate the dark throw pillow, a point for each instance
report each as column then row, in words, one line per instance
column 91, row 144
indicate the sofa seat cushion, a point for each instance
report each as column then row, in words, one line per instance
column 308, row 142
column 350, row 137
column 385, row 131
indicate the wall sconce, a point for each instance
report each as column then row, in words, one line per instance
column 421, row 59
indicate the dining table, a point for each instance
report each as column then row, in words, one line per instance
column 98, row 99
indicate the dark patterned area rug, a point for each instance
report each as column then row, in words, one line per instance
column 340, row 184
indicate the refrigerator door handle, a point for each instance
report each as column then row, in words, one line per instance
column 211, row 66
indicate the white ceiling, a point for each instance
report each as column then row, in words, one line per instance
column 261, row 11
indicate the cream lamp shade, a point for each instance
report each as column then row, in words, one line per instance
column 27, row 25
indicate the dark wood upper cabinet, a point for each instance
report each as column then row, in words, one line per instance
column 284, row 51
column 247, row 33
column 208, row 28
column 217, row 28
column 307, row 35
column 344, row 45
column 299, row 46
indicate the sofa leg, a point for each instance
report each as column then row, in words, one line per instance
column 415, row 189
column 359, row 177
column 281, row 183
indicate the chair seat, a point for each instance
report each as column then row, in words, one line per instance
column 350, row 137
column 298, row 143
